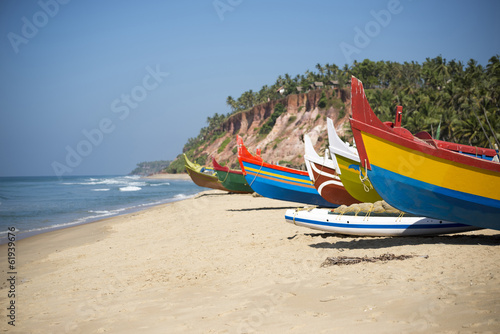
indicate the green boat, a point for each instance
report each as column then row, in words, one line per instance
column 203, row 177
column 349, row 168
column 234, row 180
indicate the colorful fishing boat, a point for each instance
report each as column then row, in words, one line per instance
column 348, row 168
column 323, row 174
column 202, row 176
column 415, row 175
column 372, row 224
column 278, row 182
column 233, row 180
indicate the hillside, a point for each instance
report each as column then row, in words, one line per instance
column 284, row 143
column 150, row 167
column 452, row 101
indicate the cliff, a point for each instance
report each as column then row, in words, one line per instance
column 284, row 144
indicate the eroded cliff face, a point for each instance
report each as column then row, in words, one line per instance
column 284, row 144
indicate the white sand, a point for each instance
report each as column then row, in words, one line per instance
column 223, row 263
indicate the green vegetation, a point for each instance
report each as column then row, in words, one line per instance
column 223, row 145
column 150, row 167
column 291, row 120
column 279, row 109
column 463, row 98
column 322, row 101
column 177, row 166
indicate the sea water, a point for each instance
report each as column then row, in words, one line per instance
column 35, row 205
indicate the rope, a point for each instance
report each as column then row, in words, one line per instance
column 368, row 213
column 227, row 175
column 307, row 208
column 257, row 173
column 364, row 178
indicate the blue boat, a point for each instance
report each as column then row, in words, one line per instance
column 278, row 182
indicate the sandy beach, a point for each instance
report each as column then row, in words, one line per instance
column 227, row 263
column 163, row 176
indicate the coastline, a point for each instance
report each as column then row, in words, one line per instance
column 228, row 263
column 182, row 176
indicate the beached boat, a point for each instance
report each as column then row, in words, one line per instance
column 373, row 224
column 323, row 174
column 233, row 180
column 202, row 176
column 415, row 175
column 348, row 168
column 278, row 182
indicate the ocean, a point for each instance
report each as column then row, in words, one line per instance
column 34, row 205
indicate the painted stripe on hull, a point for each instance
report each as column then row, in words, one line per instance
column 430, row 169
column 410, row 195
column 419, row 226
column 292, row 178
column 280, row 185
column 329, row 186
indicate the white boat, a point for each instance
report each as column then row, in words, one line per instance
column 372, row 224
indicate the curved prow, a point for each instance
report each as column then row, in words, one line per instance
column 361, row 109
column 310, row 152
column 337, row 145
column 217, row 166
column 243, row 152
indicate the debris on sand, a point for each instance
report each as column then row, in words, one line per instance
column 337, row 261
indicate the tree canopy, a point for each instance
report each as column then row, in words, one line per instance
column 461, row 99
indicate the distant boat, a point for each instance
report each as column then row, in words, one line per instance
column 324, row 176
column 416, row 175
column 373, row 224
column 202, row 176
column 348, row 168
column 277, row 182
column 233, row 180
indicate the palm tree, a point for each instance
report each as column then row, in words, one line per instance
column 231, row 103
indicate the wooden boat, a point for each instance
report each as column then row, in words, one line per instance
column 277, row 182
column 415, row 175
column 323, row 174
column 372, row 224
column 348, row 168
column 233, row 180
column 202, row 176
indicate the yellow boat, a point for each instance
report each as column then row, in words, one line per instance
column 348, row 168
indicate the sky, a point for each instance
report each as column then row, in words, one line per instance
column 95, row 87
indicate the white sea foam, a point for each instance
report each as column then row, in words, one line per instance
column 130, row 188
column 159, row 184
column 101, row 189
column 137, row 184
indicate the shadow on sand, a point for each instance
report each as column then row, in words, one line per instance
column 265, row 208
column 355, row 242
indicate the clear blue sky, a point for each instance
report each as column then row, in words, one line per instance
column 94, row 87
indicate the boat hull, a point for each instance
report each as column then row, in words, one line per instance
column 350, row 174
column 277, row 182
column 328, row 184
column 324, row 176
column 285, row 186
column 351, row 179
column 361, row 225
column 203, row 180
column 233, row 180
column 423, row 179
